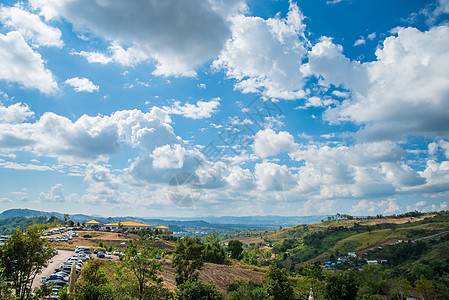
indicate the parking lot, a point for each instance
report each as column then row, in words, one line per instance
column 54, row 263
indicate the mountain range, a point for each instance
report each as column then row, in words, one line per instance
column 268, row 222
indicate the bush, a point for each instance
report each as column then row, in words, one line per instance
column 197, row 290
column 247, row 291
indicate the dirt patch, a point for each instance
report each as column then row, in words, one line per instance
column 386, row 243
column 220, row 275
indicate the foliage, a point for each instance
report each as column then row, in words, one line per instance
column 140, row 261
column 397, row 254
column 241, row 290
column 311, row 269
column 276, row 283
column 5, row 290
column 22, row 257
column 235, row 248
column 340, row 286
column 371, row 279
column 197, row 290
column 9, row 225
column 425, row 288
column 213, row 252
column 187, row 259
column 93, row 274
column 150, row 292
column 400, row 289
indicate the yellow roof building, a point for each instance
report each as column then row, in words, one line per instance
column 92, row 222
column 128, row 224
column 162, row 228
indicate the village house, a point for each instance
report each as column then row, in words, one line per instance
column 127, row 225
column 92, row 224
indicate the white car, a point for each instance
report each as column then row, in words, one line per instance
column 108, row 255
column 74, row 260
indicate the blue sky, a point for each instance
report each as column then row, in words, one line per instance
column 253, row 108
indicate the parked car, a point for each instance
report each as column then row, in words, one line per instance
column 81, row 256
column 108, row 255
column 74, row 259
column 58, row 276
column 116, row 252
column 100, row 254
column 56, row 281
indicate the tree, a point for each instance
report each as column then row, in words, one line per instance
column 276, row 284
column 311, row 269
column 121, row 227
column 187, row 259
column 66, row 217
column 22, row 257
column 241, row 290
column 340, row 286
column 235, row 248
column 371, row 278
column 140, row 261
column 400, row 289
column 197, row 290
column 425, row 287
column 93, row 274
column 213, row 252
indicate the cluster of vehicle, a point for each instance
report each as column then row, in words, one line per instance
column 60, row 278
column 62, row 238
column 3, row 239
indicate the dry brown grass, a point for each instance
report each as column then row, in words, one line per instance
column 220, row 275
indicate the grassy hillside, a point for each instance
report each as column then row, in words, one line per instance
column 336, row 237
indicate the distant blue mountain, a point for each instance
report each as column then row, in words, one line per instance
column 269, row 222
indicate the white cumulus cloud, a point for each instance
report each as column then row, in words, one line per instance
column 269, row 143
column 82, row 84
column 265, row 55
column 23, row 65
column 30, row 26
column 200, row 110
column 178, row 35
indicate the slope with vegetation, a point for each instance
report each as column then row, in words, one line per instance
column 339, row 258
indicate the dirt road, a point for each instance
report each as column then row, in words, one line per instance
column 54, row 262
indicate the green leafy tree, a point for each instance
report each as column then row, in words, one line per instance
column 140, row 261
column 22, row 257
column 371, row 279
column 241, row 290
column 213, row 252
column 400, row 289
column 340, row 286
column 197, row 290
column 276, row 284
column 425, row 287
column 121, row 227
column 311, row 269
column 5, row 290
column 235, row 248
column 43, row 291
column 93, row 274
column 187, row 259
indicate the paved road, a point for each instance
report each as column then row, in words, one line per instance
column 54, row 263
